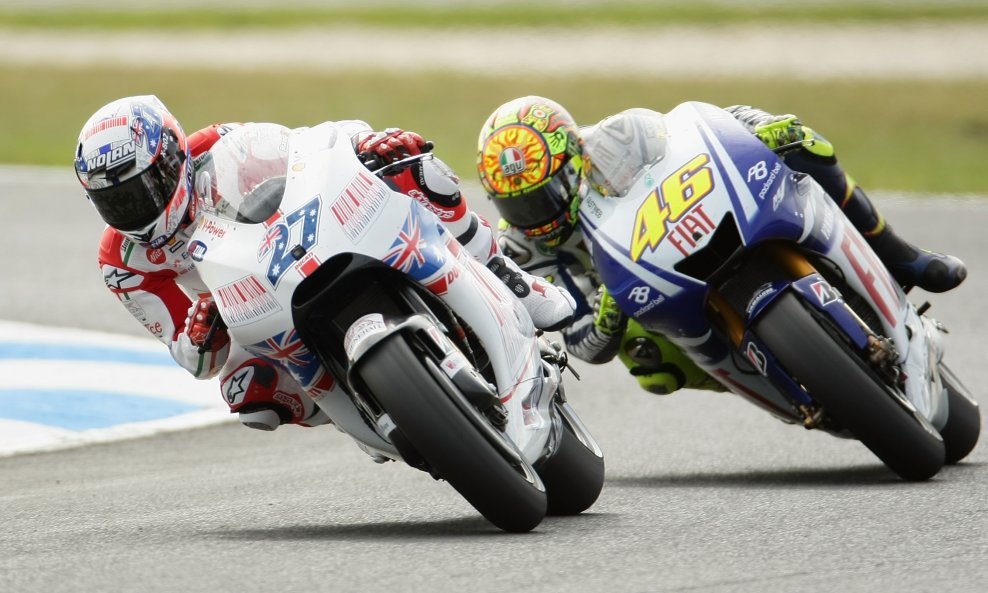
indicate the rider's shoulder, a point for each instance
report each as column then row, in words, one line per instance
column 202, row 140
column 118, row 251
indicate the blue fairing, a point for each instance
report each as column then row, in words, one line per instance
column 747, row 181
column 780, row 213
column 721, row 208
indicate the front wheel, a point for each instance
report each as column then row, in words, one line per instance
column 482, row 468
column 850, row 394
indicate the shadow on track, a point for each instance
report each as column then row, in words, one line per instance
column 843, row 477
column 464, row 527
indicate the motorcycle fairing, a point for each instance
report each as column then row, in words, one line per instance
column 332, row 205
column 716, row 171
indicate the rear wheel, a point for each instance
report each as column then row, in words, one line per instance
column 849, row 393
column 574, row 474
column 452, row 437
column 963, row 427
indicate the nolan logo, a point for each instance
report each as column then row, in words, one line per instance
column 512, row 161
column 197, row 249
column 112, row 158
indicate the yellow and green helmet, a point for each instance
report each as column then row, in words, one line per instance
column 530, row 160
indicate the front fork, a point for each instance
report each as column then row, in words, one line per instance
column 799, row 275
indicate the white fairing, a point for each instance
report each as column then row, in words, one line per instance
column 700, row 179
column 332, row 205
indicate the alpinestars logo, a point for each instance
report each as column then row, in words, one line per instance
column 118, row 279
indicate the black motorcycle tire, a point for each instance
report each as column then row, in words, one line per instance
column 574, row 473
column 838, row 380
column 450, row 443
column 963, row 427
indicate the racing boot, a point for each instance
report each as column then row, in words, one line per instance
column 265, row 399
column 551, row 308
column 659, row 366
column 909, row 265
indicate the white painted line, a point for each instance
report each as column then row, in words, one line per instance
column 114, row 387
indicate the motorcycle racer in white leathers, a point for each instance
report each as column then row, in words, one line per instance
column 139, row 170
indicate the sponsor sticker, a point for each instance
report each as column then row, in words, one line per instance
column 762, row 293
column 235, row 388
column 757, row 358
column 512, row 161
column 156, row 256
column 453, row 363
column 208, row 226
column 825, row 293
column 120, row 279
column 111, row 156
column 245, row 301
column 367, row 325
column 197, row 250
column 358, row 205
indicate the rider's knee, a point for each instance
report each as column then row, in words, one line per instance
column 264, row 397
column 659, row 366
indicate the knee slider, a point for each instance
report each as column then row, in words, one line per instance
column 659, row 365
column 643, row 357
column 252, row 391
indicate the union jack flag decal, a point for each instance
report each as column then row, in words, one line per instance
column 414, row 252
column 287, row 349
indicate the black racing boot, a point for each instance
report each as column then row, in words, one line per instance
column 911, row 266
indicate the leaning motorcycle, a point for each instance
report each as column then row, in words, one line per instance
column 756, row 274
column 317, row 265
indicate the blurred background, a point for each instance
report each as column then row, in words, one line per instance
column 901, row 87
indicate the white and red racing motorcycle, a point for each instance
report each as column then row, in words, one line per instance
column 305, row 250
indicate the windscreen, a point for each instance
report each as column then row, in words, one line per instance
column 243, row 175
column 621, row 147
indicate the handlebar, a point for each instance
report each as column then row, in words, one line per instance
column 375, row 163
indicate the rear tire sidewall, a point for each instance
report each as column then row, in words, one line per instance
column 573, row 475
column 960, row 434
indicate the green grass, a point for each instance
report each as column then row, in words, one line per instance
column 405, row 15
column 927, row 137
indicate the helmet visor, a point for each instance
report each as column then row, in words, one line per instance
column 542, row 205
column 140, row 200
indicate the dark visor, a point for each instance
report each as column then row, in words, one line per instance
column 540, row 206
column 140, row 200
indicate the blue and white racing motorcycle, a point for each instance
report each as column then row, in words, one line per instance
column 756, row 274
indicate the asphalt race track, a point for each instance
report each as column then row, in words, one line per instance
column 704, row 492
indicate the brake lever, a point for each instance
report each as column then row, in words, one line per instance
column 793, row 146
column 216, row 325
column 401, row 164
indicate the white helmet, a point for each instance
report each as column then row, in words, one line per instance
column 132, row 159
